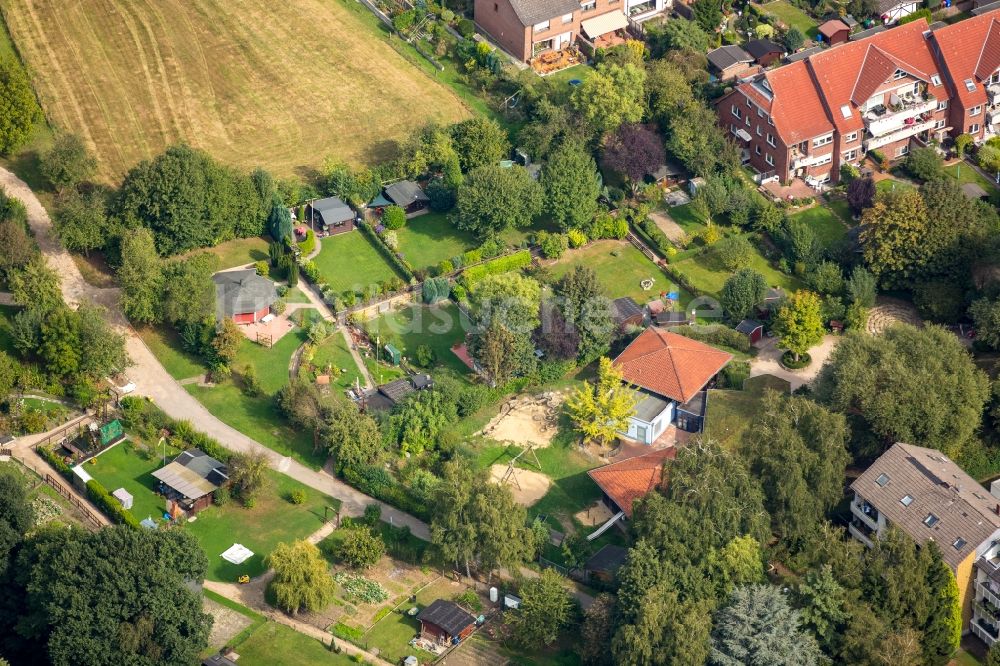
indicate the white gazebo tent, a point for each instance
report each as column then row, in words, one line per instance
column 237, row 554
column 123, row 496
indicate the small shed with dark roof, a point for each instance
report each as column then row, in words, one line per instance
column 835, row 31
column 728, row 62
column 331, row 215
column 606, row 562
column 764, row 51
column 751, row 328
column 190, row 480
column 445, row 622
column 626, row 312
column 243, row 296
column 407, row 195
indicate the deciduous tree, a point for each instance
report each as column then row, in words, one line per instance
column 587, row 309
column 248, row 473
column 360, row 548
column 493, row 199
column 81, row 220
column 302, row 578
column 600, row 410
column 612, row 95
column 743, row 291
column 351, row 436
column 19, row 110
column 479, row 141
column 799, row 323
column 545, row 609
column 227, row 341
column 860, row 194
column 634, row 151
column 141, row 277
column 894, row 236
column 68, row 162
column 571, row 184
column 36, row 286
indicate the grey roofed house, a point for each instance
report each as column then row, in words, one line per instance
column 193, row 474
column 624, row 310
column 530, row 12
column 758, row 48
column 333, row 211
column 864, row 34
column 725, row 57
column 447, row 615
column 242, row 292
column 802, row 55
column 748, row 326
column 610, row 558
column 985, row 9
column 964, row 513
column 405, row 193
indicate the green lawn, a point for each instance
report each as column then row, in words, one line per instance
column 439, row 327
column 131, row 467
column 333, row 351
column 792, row 17
column 165, row 344
column 272, row 520
column 729, row 414
column 888, row 184
column 621, row 275
column 382, row 372
column 295, row 295
column 707, row 274
column 842, row 210
column 687, row 219
column 828, row 226
column 429, row 239
column 964, row 173
column 392, row 636
column 271, row 362
column 963, row 658
column 350, row 261
column 274, row 644
column 238, row 252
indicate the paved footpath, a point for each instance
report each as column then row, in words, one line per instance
column 153, row 381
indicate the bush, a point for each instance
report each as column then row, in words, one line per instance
column 445, row 268
column 919, row 14
column 111, row 507
column 447, row 15
column 308, row 244
column 735, row 252
column 879, row 158
column 924, row 163
column 424, row 356
column 505, row 264
column 606, row 225
column 263, row 268
column 466, row 28
column 391, row 239
column 279, row 306
column 459, row 293
column 715, row 334
column 442, row 197
column 221, row 496
column 56, row 462
column 552, row 245
column 297, row 496
column 848, row 172
column 393, row 217
column 788, row 360
column 654, row 236
column 471, row 257
column 360, row 548
column 734, row 374
column 399, row 264
column 576, row 238
column 348, row 633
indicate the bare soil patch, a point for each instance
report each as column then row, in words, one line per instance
column 527, row 487
column 526, row 420
column 227, row 623
column 595, row 514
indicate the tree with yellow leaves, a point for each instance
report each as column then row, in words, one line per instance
column 599, row 411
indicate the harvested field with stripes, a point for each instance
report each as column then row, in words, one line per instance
column 282, row 85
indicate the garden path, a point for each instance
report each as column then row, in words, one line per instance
column 153, row 381
column 768, row 361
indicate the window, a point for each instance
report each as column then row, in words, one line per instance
column 748, row 102
column 760, row 112
column 942, row 104
column 899, row 74
column 959, row 543
column 823, row 140
column 902, row 150
column 935, row 80
column 907, row 500
column 588, row 5
column 567, row 18
column 542, row 27
column 974, row 128
column 845, row 111
column 931, row 520
column 882, row 480
column 851, row 138
column 770, row 140
column 969, row 85
column 939, row 124
column 759, row 132
column 995, row 78
column 737, row 112
column 851, row 155
column 746, row 120
column 826, row 159
column 770, row 121
column 976, row 110
column 756, row 149
column 769, row 159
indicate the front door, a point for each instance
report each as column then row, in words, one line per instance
column 640, row 434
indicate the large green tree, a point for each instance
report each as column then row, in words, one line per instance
column 81, row 220
column 545, row 609
column 494, row 198
column 600, row 410
column 797, row 449
column 894, row 236
column 116, row 596
column 352, row 437
column 67, row 162
column 743, row 291
column 612, row 95
column 188, row 290
column 587, row 309
column 19, row 111
column 141, row 277
column 571, row 184
column 36, row 286
column 908, row 384
column 799, row 323
column 302, row 579
column 510, row 299
column 479, row 141
column 759, row 627
column 16, row 515
column 501, row 353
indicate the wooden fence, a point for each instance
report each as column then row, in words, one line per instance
column 83, row 507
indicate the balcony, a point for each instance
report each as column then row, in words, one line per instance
column 883, row 120
column 865, row 512
column 906, row 132
column 800, row 161
column 987, row 610
column 857, row 530
column 993, row 94
column 987, row 633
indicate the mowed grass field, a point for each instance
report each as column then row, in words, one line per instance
column 254, row 82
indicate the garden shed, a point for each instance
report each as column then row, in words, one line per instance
column 753, row 329
column 331, row 215
column 835, row 31
column 393, row 355
column 407, row 195
column 445, row 622
column 626, row 312
column 123, row 496
column 189, row 481
column 605, row 563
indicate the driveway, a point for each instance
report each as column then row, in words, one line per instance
column 768, row 361
column 153, row 381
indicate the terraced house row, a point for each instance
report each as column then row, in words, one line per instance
column 904, row 87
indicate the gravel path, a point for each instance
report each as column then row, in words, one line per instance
column 768, row 361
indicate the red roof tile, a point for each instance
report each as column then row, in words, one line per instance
column 964, row 58
column 628, row 480
column 669, row 364
column 792, row 102
column 832, row 27
column 989, row 57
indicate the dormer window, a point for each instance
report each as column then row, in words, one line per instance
column 882, row 480
column 969, row 85
column 899, row 74
column 907, row 500
column 935, row 80
column 845, row 111
column 931, row 520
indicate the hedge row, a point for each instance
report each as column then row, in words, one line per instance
column 655, row 236
column 111, row 507
column 716, row 334
column 399, row 264
column 56, row 462
column 680, row 279
column 378, row 483
column 504, row 264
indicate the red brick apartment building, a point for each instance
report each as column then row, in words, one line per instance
column 892, row 91
column 527, row 28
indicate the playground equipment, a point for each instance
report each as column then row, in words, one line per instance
column 511, row 472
